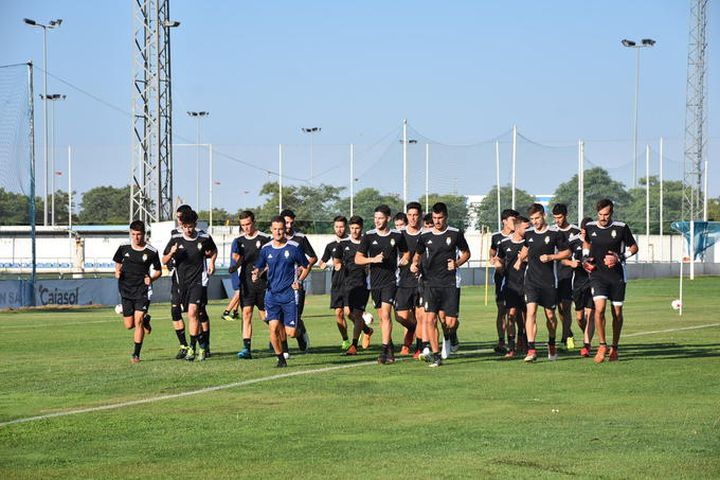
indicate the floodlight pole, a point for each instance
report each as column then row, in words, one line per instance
column 280, row 176
column 198, row 116
column 497, row 182
column 581, row 181
column 404, row 169
column 427, row 177
column 662, row 242
column 647, row 199
column 514, row 161
column 210, row 188
column 352, row 179
column 311, row 131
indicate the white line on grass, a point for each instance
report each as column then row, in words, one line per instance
column 216, row 388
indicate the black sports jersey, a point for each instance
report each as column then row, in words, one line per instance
column 135, row 267
column 438, row 248
column 354, row 275
column 613, row 238
column 249, row 249
column 391, row 245
column 190, row 257
column 508, row 252
column 304, row 243
column 547, row 242
column 405, row 277
column 580, row 276
column 336, row 281
column 496, row 238
column 564, row 271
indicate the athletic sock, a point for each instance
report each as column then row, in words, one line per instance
column 511, row 342
column 614, row 346
column 285, row 348
column 385, row 347
column 586, row 345
column 181, row 337
column 193, row 341
column 246, row 343
column 206, row 334
column 531, row 345
column 202, row 340
column 136, row 352
column 453, row 336
column 280, row 357
column 551, row 341
column 226, row 312
column 425, row 345
column 355, row 342
column 365, row 328
column 418, row 344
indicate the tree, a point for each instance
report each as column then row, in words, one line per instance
column 314, row 206
column 634, row 214
column 14, row 208
column 105, row 205
column 486, row 213
column 714, row 209
column 598, row 185
column 220, row 217
column 458, row 210
column 365, row 202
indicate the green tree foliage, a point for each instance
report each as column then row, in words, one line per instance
column 105, row 205
column 714, row 209
column 314, row 206
column 486, row 211
column 457, row 208
column 220, row 217
column 14, row 208
column 634, row 214
column 365, row 202
column 598, row 185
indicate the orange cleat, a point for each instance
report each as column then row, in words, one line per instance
column 417, row 354
column 531, row 356
column 584, row 352
column 352, row 350
column 509, row 355
column 613, row 355
column 600, row 355
column 366, row 339
column 404, row 351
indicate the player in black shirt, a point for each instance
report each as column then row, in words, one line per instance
column 564, row 276
column 383, row 250
column 508, row 261
column 132, row 269
column 543, row 246
column 252, row 293
column 582, row 296
column 607, row 245
column 443, row 250
column 355, row 292
column 302, row 338
column 406, row 298
column 175, row 300
column 189, row 250
column 507, row 217
column 337, row 290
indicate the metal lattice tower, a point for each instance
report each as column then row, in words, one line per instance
column 151, row 190
column 695, row 112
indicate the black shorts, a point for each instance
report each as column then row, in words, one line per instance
column 356, row 297
column 337, row 298
column 564, row 290
column 204, row 295
column 582, row 297
column 132, row 305
column 191, row 294
column 421, row 295
column 545, row 296
column 513, row 298
column 406, row 298
column 254, row 297
column 383, row 295
column 498, row 279
column 614, row 291
column 445, row 299
column 175, row 298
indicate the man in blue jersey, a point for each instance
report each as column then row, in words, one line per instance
column 281, row 258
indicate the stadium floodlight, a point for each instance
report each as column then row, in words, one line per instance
column 51, row 25
column 311, row 131
column 644, row 43
column 53, row 97
column 171, row 24
column 199, row 115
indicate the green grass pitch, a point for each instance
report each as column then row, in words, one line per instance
column 655, row 414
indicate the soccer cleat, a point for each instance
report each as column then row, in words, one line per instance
column 500, row 348
column 570, row 343
column 613, row 355
column 509, row 355
column 201, row 355
column 404, row 351
column 382, row 358
column 228, row 317
column 416, row 355
column 182, row 352
column 244, row 354
column 390, row 357
column 584, row 352
column 135, row 359
column 351, row 351
column 445, row 351
column 345, row 344
column 207, row 352
column 454, row 347
column 552, row 353
column 600, row 354
column 436, row 363
column 146, row 324
column 531, row 356
column 190, row 355
column 426, row 355
column 366, row 339
column 281, row 363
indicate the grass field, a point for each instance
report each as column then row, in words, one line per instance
column 654, row 414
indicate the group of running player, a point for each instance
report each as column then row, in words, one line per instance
column 412, row 268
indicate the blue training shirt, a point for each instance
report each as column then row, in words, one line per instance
column 282, row 263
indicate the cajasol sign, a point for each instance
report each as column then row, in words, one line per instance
column 93, row 291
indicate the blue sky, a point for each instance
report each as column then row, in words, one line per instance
column 461, row 72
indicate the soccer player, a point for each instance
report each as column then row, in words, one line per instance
column 607, row 245
column 282, row 258
column 337, row 290
column 543, row 246
column 513, row 271
column 445, row 250
column 176, row 303
column 302, row 338
column 507, row 217
column 582, row 296
column 406, row 298
column 231, row 310
column 564, row 276
column 252, row 293
column 132, row 269
column 400, row 220
column 380, row 248
column 189, row 251
column 354, row 290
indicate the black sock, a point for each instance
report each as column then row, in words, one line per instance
column 365, row 328
column 136, row 352
column 586, row 345
column 206, row 337
column 355, row 342
column 511, row 341
column 285, row 348
column 453, row 336
column 203, row 340
column 384, row 347
column 280, row 357
column 603, row 344
column 614, row 346
column 246, row 343
column 425, row 345
column 193, row 341
column 301, row 328
column 418, row 344
column 551, row 341
column 501, row 340
column 436, row 356
column 226, row 312
column 181, row 337
column 531, row 345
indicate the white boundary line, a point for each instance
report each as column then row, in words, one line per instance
column 216, row 388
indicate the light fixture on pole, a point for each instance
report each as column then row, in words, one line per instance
column 198, row 116
column 52, row 24
column 53, row 97
column 311, row 131
column 644, row 43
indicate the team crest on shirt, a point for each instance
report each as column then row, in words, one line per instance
column 127, row 254
column 392, row 242
column 144, row 257
column 287, row 254
column 594, row 234
column 269, row 255
column 199, row 245
column 547, row 240
column 531, row 240
column 258, row 244
column 448, row 240
column 613, row 233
